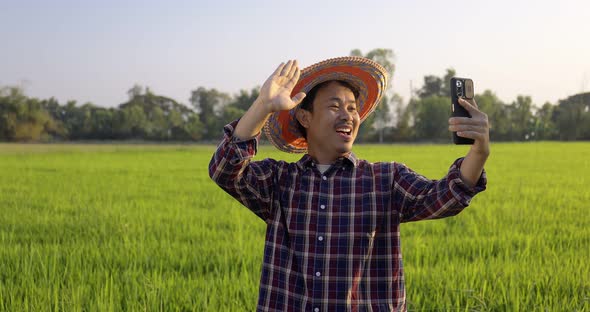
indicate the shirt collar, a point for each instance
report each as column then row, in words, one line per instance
column 307, row 161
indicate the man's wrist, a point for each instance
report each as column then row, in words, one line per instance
column 480, row 152
column 263, row 106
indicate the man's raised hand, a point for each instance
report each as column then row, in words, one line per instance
column 275, row 93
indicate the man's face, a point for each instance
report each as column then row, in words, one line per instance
column 335, row 120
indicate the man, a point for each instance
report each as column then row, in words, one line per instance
column 332, row 239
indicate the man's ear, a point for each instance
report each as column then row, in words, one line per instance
column 303, row 117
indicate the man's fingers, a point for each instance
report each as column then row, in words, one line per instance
column 293, row 69
column 463, row 121
column 293, row 81
column 471, row 135
column 298, row 98
column 287, row 68
column 278, row 70
column 471, row 108
column 474, row 128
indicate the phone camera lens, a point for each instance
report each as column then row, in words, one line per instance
column 458, row 83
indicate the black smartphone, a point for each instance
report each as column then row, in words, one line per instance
column 461, row 88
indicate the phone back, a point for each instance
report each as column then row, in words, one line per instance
column 460, row 87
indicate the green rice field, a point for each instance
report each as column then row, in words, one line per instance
column 143, row 228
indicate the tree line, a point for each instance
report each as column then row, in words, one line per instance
column 153, row 117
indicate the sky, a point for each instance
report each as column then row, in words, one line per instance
column 94, row 51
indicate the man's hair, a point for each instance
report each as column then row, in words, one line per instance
column 307, row 103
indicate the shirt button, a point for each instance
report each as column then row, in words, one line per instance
column 318, row 274
column 316, row 310
column 321, row 238
column 323, row 206
column 324, row 178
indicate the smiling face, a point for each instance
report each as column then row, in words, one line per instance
column 332, row 124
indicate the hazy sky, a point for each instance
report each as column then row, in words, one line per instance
column 96, row 50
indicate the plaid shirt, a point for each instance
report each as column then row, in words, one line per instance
column 333, row 239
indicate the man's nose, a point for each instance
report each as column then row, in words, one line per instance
column 346, row 115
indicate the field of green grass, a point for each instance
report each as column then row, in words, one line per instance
column 143, row 228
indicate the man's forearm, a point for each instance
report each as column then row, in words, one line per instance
column 252, row 122
column 472, row 167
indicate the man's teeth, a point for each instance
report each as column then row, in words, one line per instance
column 343, row 130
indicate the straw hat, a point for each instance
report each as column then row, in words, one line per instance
column 367, row 76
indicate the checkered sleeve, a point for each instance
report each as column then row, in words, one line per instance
column 247, row 181
column 419, row 198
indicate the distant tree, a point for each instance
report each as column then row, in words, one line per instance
column 135, row 91
column 545, row 128
column 23, row 118
column 100, row 124
column 437, row 86
column 426, row 116
column 11, row 101
column 244, row 99
column 497, row 113
column 404, row 122
column 133, row 123
column 209, row 104
column 382, row 118
column 373, row 128
column 433, row 86
column 572, row 117
column 56, row 111
column 521, row 118
column 238, row 105
column 192, row 129
column 72, row 118
column 149, row 116
column 446, row 82
column 432, row 118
